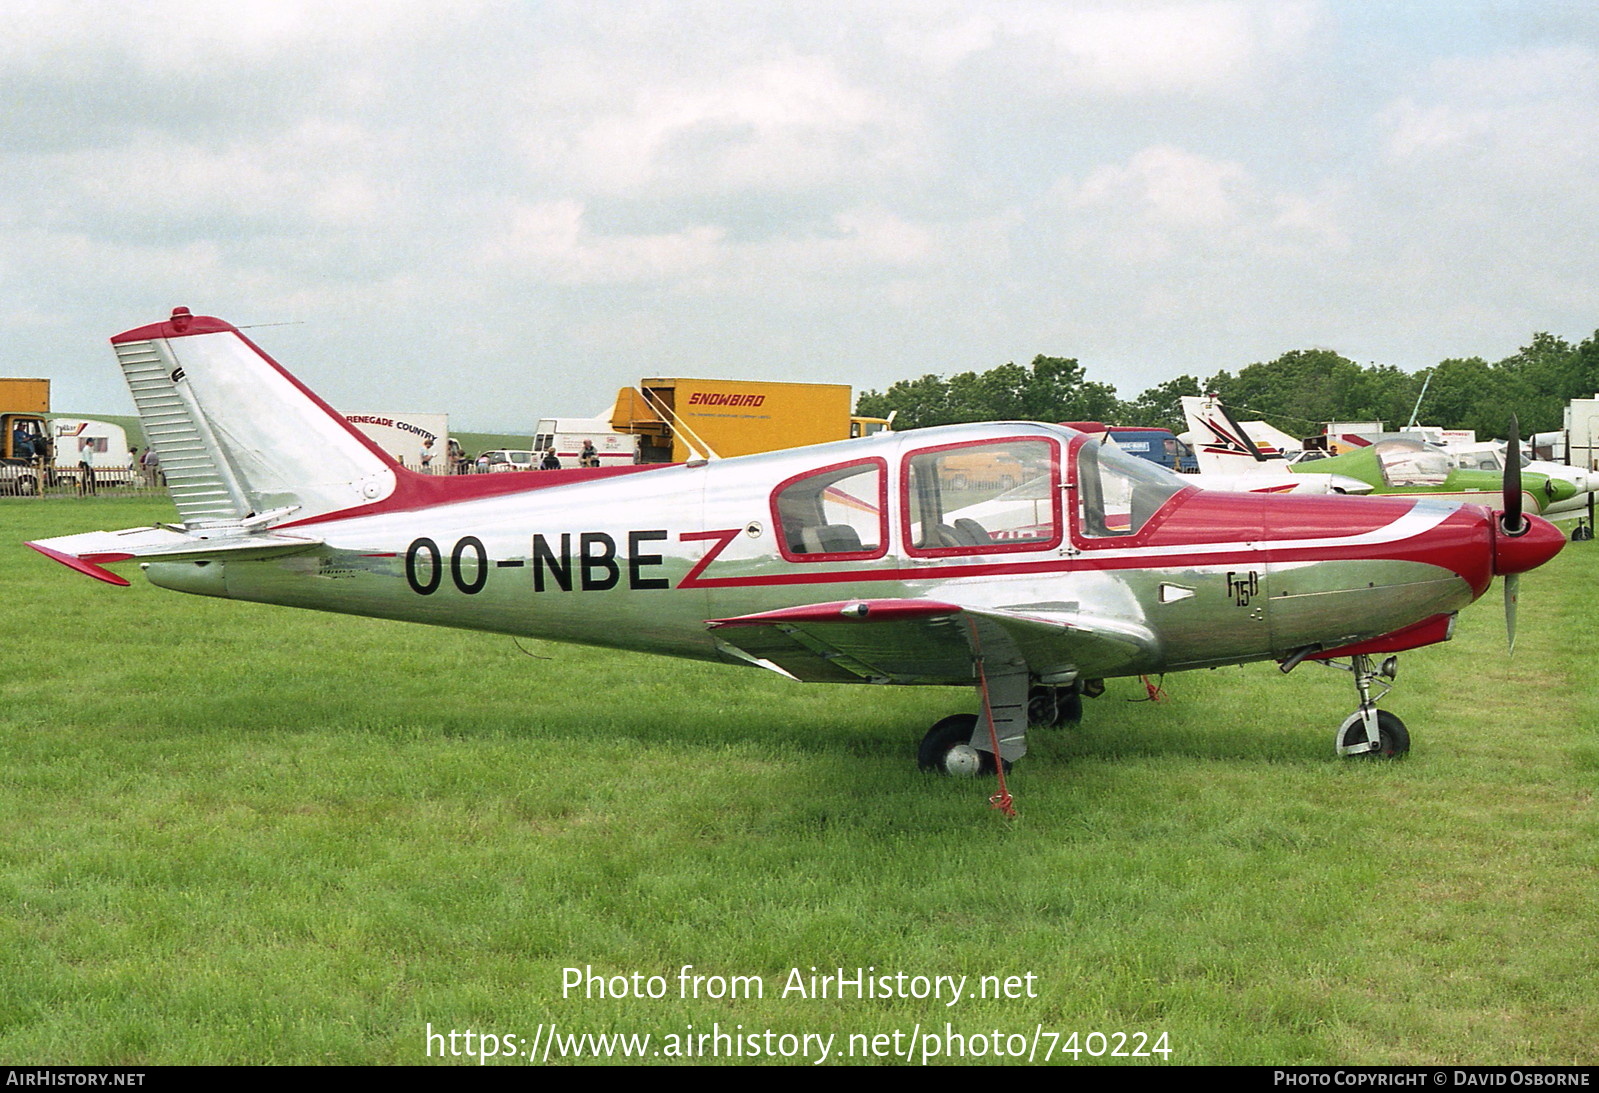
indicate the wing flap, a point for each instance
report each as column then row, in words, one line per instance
column 878, row 641
column 925, row 641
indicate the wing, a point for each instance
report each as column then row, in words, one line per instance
column 929, row 641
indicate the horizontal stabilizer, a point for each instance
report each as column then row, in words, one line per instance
column 91, row 550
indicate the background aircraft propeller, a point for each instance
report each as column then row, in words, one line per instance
column 1512, row 523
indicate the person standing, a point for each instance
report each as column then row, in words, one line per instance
column 86, row 466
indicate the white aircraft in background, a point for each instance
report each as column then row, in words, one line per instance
column 1271, row 477
column 1229, row 456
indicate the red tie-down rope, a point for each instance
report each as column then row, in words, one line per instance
column 1002, row 799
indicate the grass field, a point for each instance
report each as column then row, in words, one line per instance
column 240, row 834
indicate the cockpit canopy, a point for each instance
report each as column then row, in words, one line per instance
column 1412, row 463
column 984, row 496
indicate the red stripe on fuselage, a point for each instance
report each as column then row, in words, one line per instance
column 692, row 578
column 414, row 491
column 1459, row 543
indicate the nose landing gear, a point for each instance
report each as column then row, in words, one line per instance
column 1370, row 731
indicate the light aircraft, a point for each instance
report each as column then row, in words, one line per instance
column 1397, row 465
column 1490, row 456
column 859, row 561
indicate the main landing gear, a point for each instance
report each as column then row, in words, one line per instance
column 1370, row 731
column 948, row 749
column 960, row 745
column 1055, row 706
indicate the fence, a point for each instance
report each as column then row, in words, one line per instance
column 61, row 480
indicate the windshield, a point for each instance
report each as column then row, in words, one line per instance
column 1482, row 459
column 1412, row 463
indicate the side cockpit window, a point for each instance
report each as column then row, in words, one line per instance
column 833, row 514
column 972, row 498
column 1117, row 493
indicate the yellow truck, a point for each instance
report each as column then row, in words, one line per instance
column 24, row 437
column 681, row 419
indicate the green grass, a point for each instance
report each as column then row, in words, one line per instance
column 232, row 833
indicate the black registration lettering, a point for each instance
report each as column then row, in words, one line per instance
column 560, row 568
column 480, row 572
column 637, row 561
column 423, row 576
column 598, row 567
column 602, row 560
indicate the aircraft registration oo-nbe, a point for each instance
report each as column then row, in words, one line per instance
column 1022, row 559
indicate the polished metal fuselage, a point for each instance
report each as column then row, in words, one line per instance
column 641, row 561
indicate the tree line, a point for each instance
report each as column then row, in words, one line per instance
column 1297, row 392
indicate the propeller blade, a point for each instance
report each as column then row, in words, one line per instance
column 1512, row 583
column 1511, row 521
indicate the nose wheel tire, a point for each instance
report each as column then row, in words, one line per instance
column 1393, row 739
column 947, row 749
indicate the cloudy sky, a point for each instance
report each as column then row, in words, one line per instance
column 502, row 210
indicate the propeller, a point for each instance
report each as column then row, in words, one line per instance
column 1512, row 523
column 1512, row 587
column 1518, row 542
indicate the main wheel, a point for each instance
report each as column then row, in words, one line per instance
column 947, row 749
column 1392, row 736
column 1054, row 706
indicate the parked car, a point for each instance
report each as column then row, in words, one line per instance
column 507, row 459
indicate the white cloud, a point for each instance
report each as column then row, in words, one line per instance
column 877, row 183
column 942, row 44
column 1517, row 115
column 1168, row 187
column 1121, row 49
column 188, row 36
column 782, row 125
column 307, row 176
column 551, row 241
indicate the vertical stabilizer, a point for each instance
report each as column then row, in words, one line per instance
column 240, row 439
column 1221, row 446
